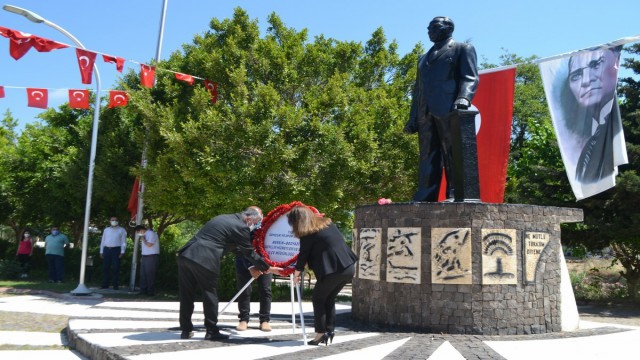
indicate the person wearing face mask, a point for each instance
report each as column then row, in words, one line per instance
column 54, row 252
column 150, row 249
column 112, row 248
column 24, row 253
column 243, row 275
column 199, row 266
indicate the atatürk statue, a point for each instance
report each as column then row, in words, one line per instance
column 447, row 79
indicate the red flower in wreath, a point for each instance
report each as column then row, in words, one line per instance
column 272, row 216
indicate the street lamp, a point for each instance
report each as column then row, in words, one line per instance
column 81, row 289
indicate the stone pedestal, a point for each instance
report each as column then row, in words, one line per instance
column 460, row 268
column 465, row 156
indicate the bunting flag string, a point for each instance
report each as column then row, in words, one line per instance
column 21, row 43
column 78, row 98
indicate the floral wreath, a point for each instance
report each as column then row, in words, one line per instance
column 258, row 241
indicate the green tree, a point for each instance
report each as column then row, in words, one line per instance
column 316, row 121
column 7, row 149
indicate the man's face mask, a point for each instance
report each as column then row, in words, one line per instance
column 114, row 223
column 255, row 226
column 55, row 232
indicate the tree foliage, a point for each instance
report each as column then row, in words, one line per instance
column 316, row 121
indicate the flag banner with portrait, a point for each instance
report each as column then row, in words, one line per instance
column 494, row 102
column 581, row 93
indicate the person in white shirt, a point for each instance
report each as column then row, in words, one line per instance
column 112, row 248
column 150, row 246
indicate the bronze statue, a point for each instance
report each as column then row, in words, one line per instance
column 447, row 80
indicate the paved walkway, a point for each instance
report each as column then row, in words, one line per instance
column 101, row 329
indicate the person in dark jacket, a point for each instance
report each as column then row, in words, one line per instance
column 199, row 266
column 323, row 248
column 446, row 80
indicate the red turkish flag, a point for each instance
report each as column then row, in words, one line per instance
column 78, row 99
column 114, row 60
column 213, row 90
column 133, row 198
column 147, row 75
column 19, row 43
column 494, row 101
column 86, row 59
column 184, row 77
column 1, row 92
column 45, row 45
column 118, row 98
column 37, row 98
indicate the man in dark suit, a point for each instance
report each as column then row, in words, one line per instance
column 199, row 265
column 446, row 80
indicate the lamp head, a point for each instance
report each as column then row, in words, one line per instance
column 26, row 13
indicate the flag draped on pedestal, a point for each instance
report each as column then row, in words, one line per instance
column 494, row 101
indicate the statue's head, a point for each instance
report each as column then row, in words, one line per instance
column 440, row 28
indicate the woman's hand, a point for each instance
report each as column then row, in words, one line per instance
column 296, row 278
column 275, row 270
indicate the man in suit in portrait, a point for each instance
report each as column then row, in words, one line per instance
column 593, row 108
column 199, row 265
column 446, row 80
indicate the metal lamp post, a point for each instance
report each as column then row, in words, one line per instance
column 81, row 289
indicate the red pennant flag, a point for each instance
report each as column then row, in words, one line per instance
column 147, row 75
column 86, row 59
column 114, row 60
column 118, row 98
column 213, row 90
column 46, row 45
column 1, row 92
column 133, row 198
column 37, row 98
column 78, row 99
column 19, row 43
column 494, row 101
column 186, row 78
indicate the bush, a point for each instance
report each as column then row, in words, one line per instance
column 9, row 269
column 595, row 286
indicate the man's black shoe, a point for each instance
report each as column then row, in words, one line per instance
column 186, row 335
column 213, row 336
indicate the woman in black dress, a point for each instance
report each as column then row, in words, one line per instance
column 323, row 248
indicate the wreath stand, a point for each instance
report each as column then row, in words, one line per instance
column 293, row 312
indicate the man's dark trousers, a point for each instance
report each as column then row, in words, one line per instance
column 111, row 266
column 244, row 300
column 192, row 276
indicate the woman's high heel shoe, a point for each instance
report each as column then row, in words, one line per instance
column 320, row 340
column 331, row 334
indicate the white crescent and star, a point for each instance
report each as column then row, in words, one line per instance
column 119, row 99
column 78, row 95
column 210, row 86
column 84, row 58
column 37, row 97
column 478, row 117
